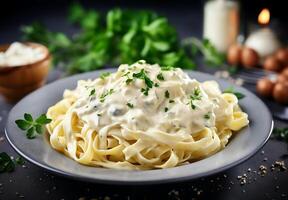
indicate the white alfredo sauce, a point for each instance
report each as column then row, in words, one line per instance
column 176, row 104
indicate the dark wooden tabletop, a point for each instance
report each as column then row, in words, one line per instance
column 245, row 181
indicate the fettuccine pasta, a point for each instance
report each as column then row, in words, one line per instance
column 143, row 117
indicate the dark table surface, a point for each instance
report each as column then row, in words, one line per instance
column 32, row 182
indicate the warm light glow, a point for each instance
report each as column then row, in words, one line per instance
column 264, row 16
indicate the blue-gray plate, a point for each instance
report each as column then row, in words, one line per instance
column 242, row 146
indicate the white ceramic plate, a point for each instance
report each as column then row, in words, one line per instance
column 245, row 143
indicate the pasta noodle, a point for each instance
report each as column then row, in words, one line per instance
column 143, row 117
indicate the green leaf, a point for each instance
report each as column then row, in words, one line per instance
column 104, row 75
column 76, row 12
column 128, row 81
column 23, row 124
column 19, row 160
column 148, row 82
column 239, row 95
column 160, row 77
column 161, row 45
column 130, row 105
column 6, row 163
column 43, row 119
column 92, row 92
column 30, row 134
column 167, row 94
column 39, row 128
column 232, row 91
column 28, row 117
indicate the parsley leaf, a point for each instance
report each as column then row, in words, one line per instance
column 104, row 75
column 167, row 94
column 32, row 127
column 6, row 163
column 165, row 109
column 42, row 119
column 207, row 116
column 19, row 160
column 102, row 97
column 160, row 77
column 145, row 91
column 130, row 105
column 149, row 83
column 92, row 92
column 128, row 81
column 232, row 91
column 196, row 95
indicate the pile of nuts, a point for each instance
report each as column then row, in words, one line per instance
column 276, row 87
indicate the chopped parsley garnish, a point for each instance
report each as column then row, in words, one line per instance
column 128, row 81
column 102, row 97
column 171, row 101
column 167, row 68
column 6, row 163
column 145, row 91
column 156, row 84
column 160, row 77
column 92, row 92
column 165, row 109
column 130, row 105
column 126, row 74
column 32, row 127
column 104, row 75
column 207, row 116
column 232, row 91
column 167, row 94
column 149, row 83
column 196, row 95
column 99, row 115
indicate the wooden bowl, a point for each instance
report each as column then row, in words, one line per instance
column 18, row 81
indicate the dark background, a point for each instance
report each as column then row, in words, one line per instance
column 33, row 182
column 15, row 13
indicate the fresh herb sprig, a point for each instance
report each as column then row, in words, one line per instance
column 231, row 90
column 7, row 164
column 31, row 126
column 280, row 134
column 119, row 36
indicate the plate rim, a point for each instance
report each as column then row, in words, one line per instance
column 137, row 182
